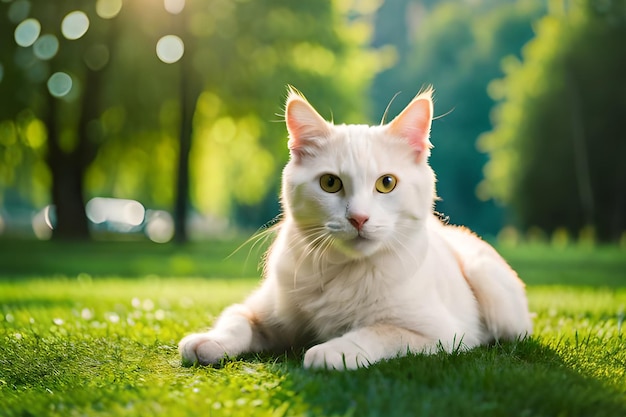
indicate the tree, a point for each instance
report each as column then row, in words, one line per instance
column 457, row 46
column 239, row 142
column 59, row 92
column 125, row 140
column 557, row 149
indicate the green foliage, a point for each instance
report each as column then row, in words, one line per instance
column 240, row 141
column 457, row 47
column 105, row 346
column 239, row 58
column 556, row 152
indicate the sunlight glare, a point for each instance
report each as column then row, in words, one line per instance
column 108, row 9
column 43, row 223
column 46, row 47
column 118, row 210
column 170, row 49
column 59, row 84
column 27, row 32
column 160, row 226
column 19, row 10
column 96, row 210
column 75, row 25
column 133, row 213
column 174, row 6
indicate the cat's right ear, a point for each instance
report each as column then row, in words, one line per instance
column 305, row 126
column 413, row 123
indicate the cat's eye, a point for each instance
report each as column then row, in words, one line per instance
column 330, row 183
column 386, row 183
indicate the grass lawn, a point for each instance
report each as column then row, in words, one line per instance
column 92, row 330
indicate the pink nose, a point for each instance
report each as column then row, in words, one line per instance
column 358, row 220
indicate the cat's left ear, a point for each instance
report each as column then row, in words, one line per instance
column 306, row 127
column 413, row 123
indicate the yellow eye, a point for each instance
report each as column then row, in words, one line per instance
column 386, row 183
column 330, row 183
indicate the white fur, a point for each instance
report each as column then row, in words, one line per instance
column 403, row 283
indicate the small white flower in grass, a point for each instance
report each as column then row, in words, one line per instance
column 136, row 302
column 86, row 314
column 159, row 315
column 58, row 321
column 9, row 318
column 112, row 317
column 18, row 336
column 196, row 390
column 148, row 304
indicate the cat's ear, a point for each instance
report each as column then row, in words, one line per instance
column 413, row 123
column 305, row 126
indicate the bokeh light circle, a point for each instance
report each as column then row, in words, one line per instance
column 27, row 32
column 97, row 56
column 170, row 48
column 108, row 9
column 159, row 226
column 59, row 84
column 19, row 10
column 46, row 47
column 75, row 25
column 174, row 6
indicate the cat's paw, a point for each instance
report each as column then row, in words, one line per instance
column 340, row 354
column 201, row 349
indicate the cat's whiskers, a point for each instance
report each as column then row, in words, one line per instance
column 259, row 239
column 322, row 254
column 313, row 238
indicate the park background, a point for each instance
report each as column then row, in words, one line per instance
column 141, row 144
column 162, row 119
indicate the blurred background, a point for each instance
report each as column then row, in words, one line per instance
column 160, row 120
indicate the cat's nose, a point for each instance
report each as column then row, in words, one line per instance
column 358, row 220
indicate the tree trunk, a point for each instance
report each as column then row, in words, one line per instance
column 181, row 205
column 189, row 94
column 67, row 184
column 68, row 168
column 68, row 198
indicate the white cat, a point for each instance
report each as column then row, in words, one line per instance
column 361, row 269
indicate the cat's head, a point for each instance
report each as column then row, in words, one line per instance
column 358, row 188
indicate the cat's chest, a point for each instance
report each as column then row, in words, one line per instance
column 339, row 298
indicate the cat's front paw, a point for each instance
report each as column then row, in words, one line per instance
column 340, row 354
column 201, row 349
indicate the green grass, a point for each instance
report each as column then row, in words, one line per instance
column 92, row 330
column 129, row 259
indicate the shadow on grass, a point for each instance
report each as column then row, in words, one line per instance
column 523, row 379
column 93, row 373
